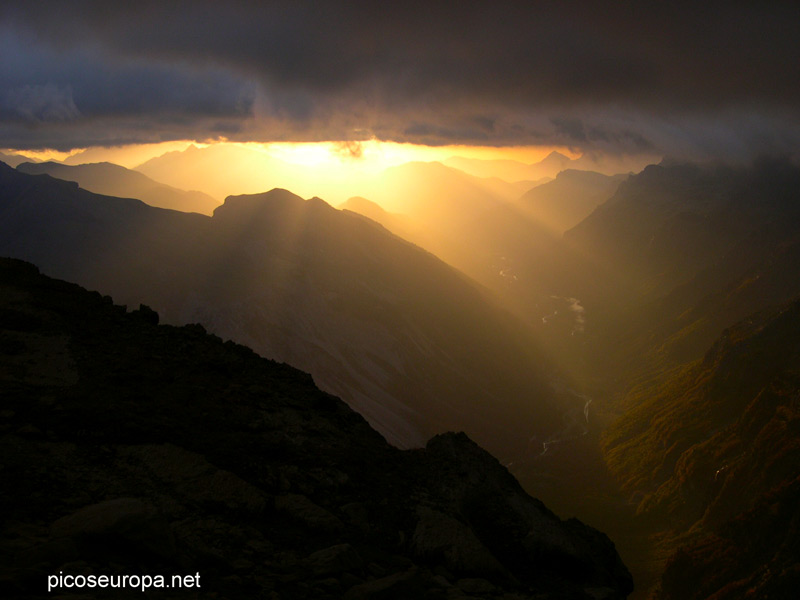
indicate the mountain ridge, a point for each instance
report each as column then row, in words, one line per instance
column 163, row 449
column 113, row 180
column 376, row 319
column 569, row 198
column 683, row 251
column 705, row 448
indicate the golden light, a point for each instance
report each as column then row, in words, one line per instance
column 333, row 170
column 374, row 155
column 39, row 155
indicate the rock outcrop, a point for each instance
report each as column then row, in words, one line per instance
column 135, row 448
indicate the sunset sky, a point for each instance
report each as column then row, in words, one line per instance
column 717, row 80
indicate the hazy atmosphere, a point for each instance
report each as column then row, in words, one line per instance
column 421, row 300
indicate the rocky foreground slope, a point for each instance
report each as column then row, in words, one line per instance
column 137, row 448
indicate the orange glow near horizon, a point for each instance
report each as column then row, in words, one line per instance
column 334, row 171
column 375, row 155
column 39, row 155
column 370, row 155
column 129, row 156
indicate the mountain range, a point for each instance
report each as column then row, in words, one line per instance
column 222, row 170
column 549, row 167
column 114, row 180
column 13, row 159
column 478, row 225
column 411, row 343
column 682, row 251
column 649, row 368
column 691, row 335
column 568, row 199
column 445, row 211
column 512, row 170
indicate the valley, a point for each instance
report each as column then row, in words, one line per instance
column 633, row 366
column 388, row 301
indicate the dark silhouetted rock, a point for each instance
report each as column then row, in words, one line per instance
column 123, row 521
column 139, row 448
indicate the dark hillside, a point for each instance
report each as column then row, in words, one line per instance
column 138, row 448
column 704, row 448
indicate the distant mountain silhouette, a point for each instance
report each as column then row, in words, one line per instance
column 437, row 194
column 549, row 167
column 512, row 170
column 113, row 180
column 14, row 159
column 121, row 155
column 555, row 160
column 469, row 222
column 408, row 341
column 568, row 199
column 400, row 225
column 369, row 209
column 221, row 170
column 143, row 449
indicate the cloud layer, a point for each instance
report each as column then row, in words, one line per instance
column 619, row 78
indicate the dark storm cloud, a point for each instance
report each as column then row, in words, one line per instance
column 617, row 76
column 76, row 96
column 572, row 131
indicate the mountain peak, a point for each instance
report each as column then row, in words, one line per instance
column 111, row 179
column 555, row 157
column 361, row 205
column 277, row 199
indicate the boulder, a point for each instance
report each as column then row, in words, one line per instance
column 134, row 524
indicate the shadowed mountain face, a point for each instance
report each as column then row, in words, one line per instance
column 667, row 224
column 755, row 555
column 715, row 449
column 406, row 340
column 705, row 442
column 113, row 180
column 680, row 252
column 138, row 448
